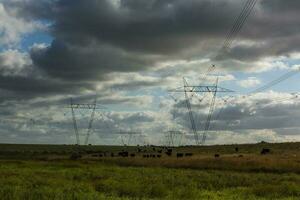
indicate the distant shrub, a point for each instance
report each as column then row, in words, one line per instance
column 75, row 156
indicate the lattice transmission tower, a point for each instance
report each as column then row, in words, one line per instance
column 192, row 90
column 92, row 107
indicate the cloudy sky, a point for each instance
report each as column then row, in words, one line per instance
column 129, row 53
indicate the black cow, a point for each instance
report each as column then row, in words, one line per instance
column 217, row 155
column 123, row 154
column 169, row 153
column 179, row 155
column 265, row 151
column 188, row 154
column 169, row 150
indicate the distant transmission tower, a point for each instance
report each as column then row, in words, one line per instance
column 92, row 107
column 174, row 138
column 189, row 91
column 131, row 138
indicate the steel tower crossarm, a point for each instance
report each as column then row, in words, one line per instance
column 86, row 106
column 202, row 89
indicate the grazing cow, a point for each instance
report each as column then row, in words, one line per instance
column 179, row 155
column 169, row 150
column 158, row 156
column 169, row 153
column 265, row 151
column 123, row 154
column 188, row 154
column 217, row 155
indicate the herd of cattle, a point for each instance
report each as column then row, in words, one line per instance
column 156, row 152
column 145, row 153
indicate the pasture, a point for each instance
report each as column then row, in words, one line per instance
column 207, row 172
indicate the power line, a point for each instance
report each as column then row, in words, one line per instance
column 238, row 25
column 275, row 82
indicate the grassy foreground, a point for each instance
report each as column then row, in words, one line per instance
column 37, row 172
column 97, row 180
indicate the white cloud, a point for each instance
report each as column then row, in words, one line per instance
column 246, row 136
column 15, row 63
column 249, row 83
column 12, row 28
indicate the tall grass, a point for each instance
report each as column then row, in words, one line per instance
column 96, row 180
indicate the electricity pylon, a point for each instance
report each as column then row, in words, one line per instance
column 174, row 138
column 130, row 137
column 77, row 106
column 200, row 89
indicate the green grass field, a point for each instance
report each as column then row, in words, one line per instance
column 46, row 172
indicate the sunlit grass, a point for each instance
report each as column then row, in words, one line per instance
column 98, row 180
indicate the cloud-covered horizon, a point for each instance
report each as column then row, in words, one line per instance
column 130, row 52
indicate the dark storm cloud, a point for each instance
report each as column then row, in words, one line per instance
column 158, row 27
column 93, row 38
column 30, row 86
column 63, row 60
column 26, row 88
column 280, row 5
column 273, row 30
